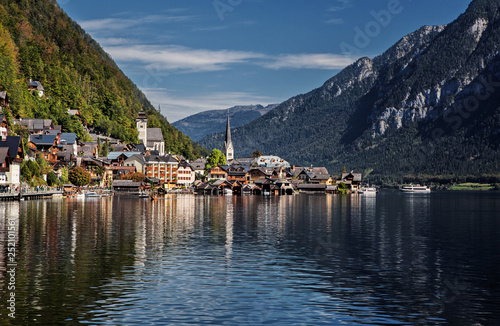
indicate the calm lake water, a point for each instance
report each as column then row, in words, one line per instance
column 394, row 258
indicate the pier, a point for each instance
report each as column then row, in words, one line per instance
column 29, row 195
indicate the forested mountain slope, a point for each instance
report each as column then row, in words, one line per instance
column 39, row 41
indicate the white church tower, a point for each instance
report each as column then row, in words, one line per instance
column 142, row 127
column 228, row 144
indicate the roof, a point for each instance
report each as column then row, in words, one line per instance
column 37, row 84
column 43, row 140
column 3, row 95
column 155, row 135
column 306, row 186
column 13, row 143
column 136, row 157
column 356, row 176
column 126, row 183
column 4, row 151
column 115, row 155
column 142, row 115
column 70, row 138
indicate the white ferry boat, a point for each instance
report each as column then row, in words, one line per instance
column 416, row 188
column 368, row 191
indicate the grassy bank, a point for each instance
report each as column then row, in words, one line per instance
column 472, row 186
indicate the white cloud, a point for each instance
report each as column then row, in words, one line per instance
column 335, row 21
column 180, row 58
column 310, row 61
column 117, row 24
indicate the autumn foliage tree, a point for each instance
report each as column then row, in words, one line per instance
column 79, row 177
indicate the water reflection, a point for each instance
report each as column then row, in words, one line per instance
column 386, row 259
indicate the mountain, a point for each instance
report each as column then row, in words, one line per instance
column 201, row 124
column 39, row 41
column 427, row 106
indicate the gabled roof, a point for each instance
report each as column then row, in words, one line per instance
column 115, row 155
column 37, row 85
column 185, row 164
column 43, row 140
column 4, row 152
column 69, row 137
column 3, row 95
column 136, row 157
column 155, row 135
column 13, row 143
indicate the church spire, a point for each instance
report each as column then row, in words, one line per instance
column 228, row 144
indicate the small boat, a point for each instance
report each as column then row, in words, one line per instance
column 92, row 194
column 368, row 191
column 415, row 189
column 228, row 192
column 142, row 194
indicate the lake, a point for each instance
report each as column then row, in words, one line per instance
column 389, row 259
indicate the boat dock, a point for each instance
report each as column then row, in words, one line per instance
column 29, row 195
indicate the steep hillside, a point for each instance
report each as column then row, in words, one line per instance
column 201, row 124
column 428, row 105
column 39, row 41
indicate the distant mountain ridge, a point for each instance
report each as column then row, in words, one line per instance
column 427, row 106
column 201, row 124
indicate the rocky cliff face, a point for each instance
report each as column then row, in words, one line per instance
column 437, row 86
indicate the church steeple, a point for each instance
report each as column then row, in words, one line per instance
column 228, row 144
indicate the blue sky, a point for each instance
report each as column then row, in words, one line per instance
column 195, row 55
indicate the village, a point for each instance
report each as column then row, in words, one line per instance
column 134, row 168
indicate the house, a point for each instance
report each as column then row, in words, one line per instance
column 35, row 126
column 4, row 100
column 44, row 144
column 271, row 161
column 186, row 174
column 315, row 175
column 256, row 174
column 10, row 169
column 118, row 158
column 164, row 168
column 136, row 161
column 218, row 172
column 15, row 146
column 4, row 132
column 90, row 149
column 69, row 140
column 238, row 173
column 126, row 186
column 199, row 166
column 36, row 86
column 352, row 180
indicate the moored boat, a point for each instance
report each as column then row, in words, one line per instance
column 368, row 191
column 92, row 194
column 415, row 188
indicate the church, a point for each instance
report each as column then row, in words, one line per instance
column 152, row 138
column 228, row 144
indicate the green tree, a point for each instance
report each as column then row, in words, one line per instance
column 79, row 177
column 136, row 177
column 215, row 158
column 64, row 175
column 30, row 169
column 52, row 179
column 45, row 168
column 342, row 189
column 256, row 154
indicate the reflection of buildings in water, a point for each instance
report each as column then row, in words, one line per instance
column 229, row 229
column 10, row 214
